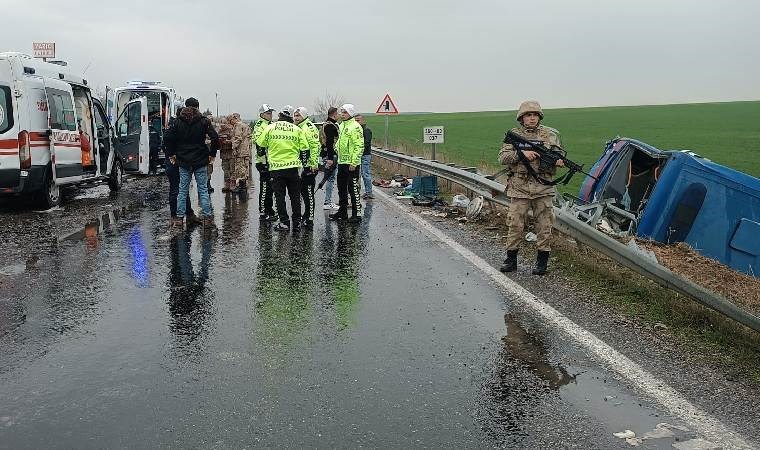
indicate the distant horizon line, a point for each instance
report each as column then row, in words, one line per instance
column 573, row 107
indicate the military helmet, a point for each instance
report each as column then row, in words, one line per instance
column 529, row 106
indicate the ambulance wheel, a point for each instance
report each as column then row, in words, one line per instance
column 50, row 195
column 116, row 179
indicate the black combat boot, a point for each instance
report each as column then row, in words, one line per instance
column 541, row 261
column 339, row 216
column 510, row 264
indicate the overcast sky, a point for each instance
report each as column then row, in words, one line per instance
column 431, row 56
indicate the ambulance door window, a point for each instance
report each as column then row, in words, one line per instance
column 6, row 109
column 133, row 119
column 101, row 130
column 61, row 110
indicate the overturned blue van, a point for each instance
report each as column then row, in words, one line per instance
column 678, row 196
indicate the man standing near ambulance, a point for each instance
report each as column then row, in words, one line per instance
column 186, row 146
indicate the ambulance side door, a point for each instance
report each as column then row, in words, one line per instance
column 104, row 134
column 65, row 145
column 132, row 136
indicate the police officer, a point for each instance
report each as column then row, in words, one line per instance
column 350, row 147
column 286, row 149
column 265, row 181
column 311, row 165
column 529, row 186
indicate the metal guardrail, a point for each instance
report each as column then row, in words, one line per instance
column 494, row 191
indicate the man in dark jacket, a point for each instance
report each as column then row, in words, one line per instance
column 366, row 158
column 172, row 173
column 186, row 146
column 328, row 137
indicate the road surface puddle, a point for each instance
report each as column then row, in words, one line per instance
column 94, row 228
column 525, row 381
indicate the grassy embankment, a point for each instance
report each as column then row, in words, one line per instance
column 727, row 133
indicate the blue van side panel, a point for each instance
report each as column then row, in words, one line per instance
column 731, row 197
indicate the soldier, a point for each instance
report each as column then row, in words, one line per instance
column 226, row 153
column 529, row 186
column 266, row 212
column 241, row 149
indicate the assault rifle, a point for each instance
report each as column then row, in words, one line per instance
column 327, row 171
column 548, row 158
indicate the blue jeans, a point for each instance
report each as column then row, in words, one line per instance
column 201, row 181
column 172, row 173
column 366, row 176
column 329, row 186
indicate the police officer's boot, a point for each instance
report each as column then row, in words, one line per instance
column 510, row 264
column 541, row 261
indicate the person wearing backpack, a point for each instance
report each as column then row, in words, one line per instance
column 328, row 137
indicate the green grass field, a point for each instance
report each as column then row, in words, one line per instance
column 727, row 133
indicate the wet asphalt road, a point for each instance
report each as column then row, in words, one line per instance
column 114, row 334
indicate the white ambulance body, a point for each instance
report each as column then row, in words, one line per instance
column 54, row 133
column 162, row 104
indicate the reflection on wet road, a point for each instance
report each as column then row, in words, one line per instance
column 368, row 335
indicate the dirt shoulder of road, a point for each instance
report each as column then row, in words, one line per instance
column 740, row 288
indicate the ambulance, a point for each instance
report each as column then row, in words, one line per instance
column 162, row 103
column 53, row 132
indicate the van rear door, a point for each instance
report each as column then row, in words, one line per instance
column 132, row 136
column 9, row 144
column 65, row 145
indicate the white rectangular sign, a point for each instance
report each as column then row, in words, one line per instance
column 44, row 49
column 432, row 135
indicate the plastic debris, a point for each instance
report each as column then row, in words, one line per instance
column 475, row 207
column 625, row 434
column 460, row 200
column 531, row 237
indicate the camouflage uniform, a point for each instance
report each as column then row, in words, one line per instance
column 525, row 191
column 226, row 152
column 241, row 148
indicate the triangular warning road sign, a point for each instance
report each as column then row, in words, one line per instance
column 387, row 106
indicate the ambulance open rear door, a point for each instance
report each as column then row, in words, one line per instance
column 132, row 139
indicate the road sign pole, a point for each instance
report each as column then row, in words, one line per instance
column 433, row 158
column 386, row 132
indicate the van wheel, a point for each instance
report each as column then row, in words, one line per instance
column 116, row 179
column 50, row 196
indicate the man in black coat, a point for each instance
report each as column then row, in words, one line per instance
column 186, row 147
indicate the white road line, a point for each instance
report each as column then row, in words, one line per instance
column 656, row 389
